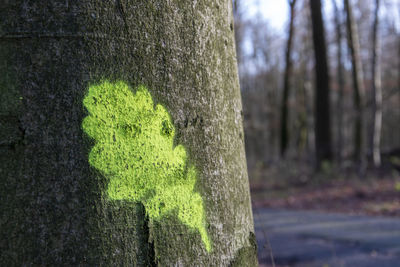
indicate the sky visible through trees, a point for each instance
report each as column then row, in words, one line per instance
column 276, row 14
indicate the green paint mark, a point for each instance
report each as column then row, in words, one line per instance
column 134, row 149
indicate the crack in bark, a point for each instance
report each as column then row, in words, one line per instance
column 150, row 259
column 121, row 10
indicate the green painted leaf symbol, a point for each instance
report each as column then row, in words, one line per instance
column 134, row 149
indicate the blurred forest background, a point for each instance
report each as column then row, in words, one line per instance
column 321, row 99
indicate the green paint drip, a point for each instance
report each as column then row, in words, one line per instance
column 134, row 149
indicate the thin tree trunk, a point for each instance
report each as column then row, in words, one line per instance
column 322, row 113
column 377, row 89
column 60, row 203
column 398, row 63
column 308, row 95
column 340, row 75
column 358, row 84
column 303, row 133
column 286, row 82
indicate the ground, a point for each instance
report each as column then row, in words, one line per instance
column 333, row 218
column 377, row 193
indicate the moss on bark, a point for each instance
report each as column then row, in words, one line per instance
column 54, row 210
column 247, row 255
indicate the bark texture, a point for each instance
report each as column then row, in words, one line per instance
column 323, row 145
column 54, row 210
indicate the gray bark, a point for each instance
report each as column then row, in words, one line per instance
column 53, row 207
column 377, row 89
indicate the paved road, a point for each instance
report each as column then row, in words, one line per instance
column 306, row 238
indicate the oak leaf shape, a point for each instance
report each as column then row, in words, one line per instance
column 134, row 148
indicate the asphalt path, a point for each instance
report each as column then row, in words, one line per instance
column 308, row 238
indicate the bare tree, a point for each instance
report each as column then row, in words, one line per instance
column 286, row 81
column 358, row 84
column 377, row 88
column 398, row 60
column 260, row 93
column 340, row 77
column 322, row 113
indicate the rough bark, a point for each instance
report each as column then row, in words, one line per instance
column 377, row 89
column 54, row 207
column 323, row 144
column 340, row 76
column 358, row 84
column 286, row 82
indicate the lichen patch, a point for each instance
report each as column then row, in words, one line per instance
column 134, row 148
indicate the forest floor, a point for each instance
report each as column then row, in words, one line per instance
column 377, row 193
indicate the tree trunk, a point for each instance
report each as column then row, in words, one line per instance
column 358, row 83
column 398, row 65
column 322, row 114
column 377, row 89
column 73, row 74
column 340, row 75
column 286, row 81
